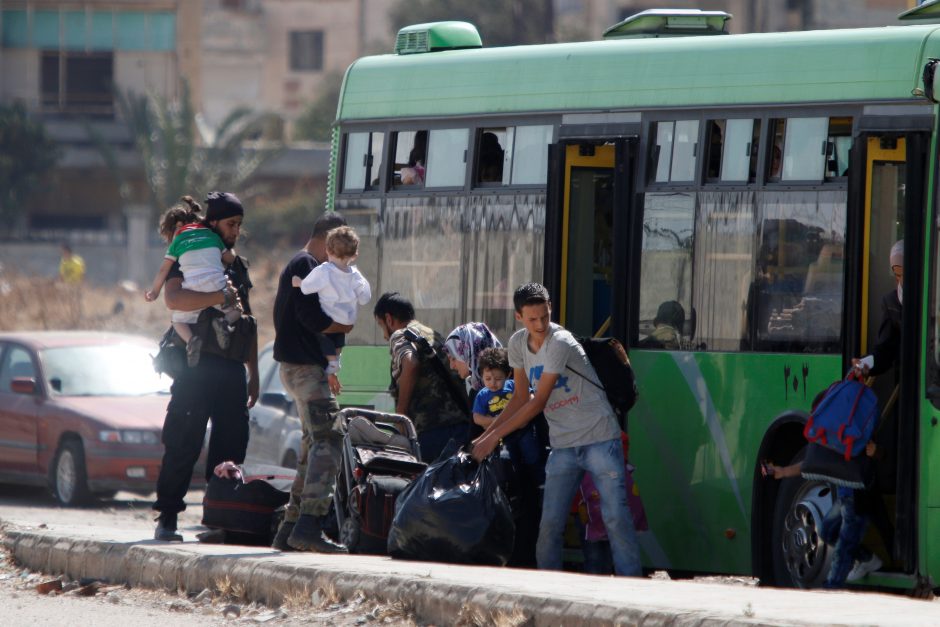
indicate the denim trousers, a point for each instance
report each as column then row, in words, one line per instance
column 848, row 546
column 433, row 441
column 563, row 474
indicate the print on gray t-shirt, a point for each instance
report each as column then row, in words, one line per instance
column 577, row 411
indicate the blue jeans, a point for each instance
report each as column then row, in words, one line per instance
column 563, row 474
column 526, row 455
column 432, row 441
column 848, row 546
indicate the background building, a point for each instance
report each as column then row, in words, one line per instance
column 68, row 61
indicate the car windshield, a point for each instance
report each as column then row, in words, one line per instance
column 105, row 370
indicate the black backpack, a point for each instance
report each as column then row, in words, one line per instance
column 613, row 368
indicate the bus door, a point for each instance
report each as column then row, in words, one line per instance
column 585, row 250
column 893, row 201
column 884, row 225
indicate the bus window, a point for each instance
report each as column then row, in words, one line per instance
column 724, row 239
column 447, row 157
column 672, row 159
column 804, row 149
column 795, row 301
column 661, row 155
column 493, row 152
column 666, row 269
column 530, row 154
column 684, row 151
column 838, row 144
column 362, row 167
column 775, row 156
column 410, row 158
column 739, row 156
column 714, row 142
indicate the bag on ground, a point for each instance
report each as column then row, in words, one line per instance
column 247, row 505
column 454, row 512
column 375, row 504
column 844, row 419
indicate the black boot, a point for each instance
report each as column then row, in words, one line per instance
column 166, row 528
column 280, row 538
column 308, row 536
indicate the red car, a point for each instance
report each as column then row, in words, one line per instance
column 81, row 412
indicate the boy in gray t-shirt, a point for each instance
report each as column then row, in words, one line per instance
column 582, row 428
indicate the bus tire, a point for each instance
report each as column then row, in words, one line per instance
column 801, row 558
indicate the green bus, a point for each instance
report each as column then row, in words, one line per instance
column 758, row 181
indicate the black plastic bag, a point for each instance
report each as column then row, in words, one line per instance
column 456, row 513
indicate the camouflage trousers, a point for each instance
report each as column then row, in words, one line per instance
column 321, row 441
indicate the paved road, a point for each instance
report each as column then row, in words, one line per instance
column 114, row 540
column 118, row 606
column 33, row 506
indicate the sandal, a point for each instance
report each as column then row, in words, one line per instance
column 193, row 348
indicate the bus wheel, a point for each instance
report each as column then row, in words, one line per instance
column 801, row 557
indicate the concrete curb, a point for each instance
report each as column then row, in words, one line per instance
column 439, row 593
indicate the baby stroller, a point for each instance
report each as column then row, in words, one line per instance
column 380, row 458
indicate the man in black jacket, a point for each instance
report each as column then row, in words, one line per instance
column 298, row 318
column 216, row 388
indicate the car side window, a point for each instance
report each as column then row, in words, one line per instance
column 266, row 365
column 274, row 384
column 16, row 363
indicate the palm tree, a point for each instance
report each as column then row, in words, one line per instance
column 180, row 155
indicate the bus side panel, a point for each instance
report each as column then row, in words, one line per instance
column 694, row 434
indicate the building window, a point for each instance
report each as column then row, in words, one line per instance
column 306, row 50
column 78, row 82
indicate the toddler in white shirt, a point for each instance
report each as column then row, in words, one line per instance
column 340, row 286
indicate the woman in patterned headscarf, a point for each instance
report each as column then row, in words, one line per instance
column 464, row 345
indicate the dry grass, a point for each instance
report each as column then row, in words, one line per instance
column 229, row 590
column 296, row 601
column 29, row 303
column 476, row 617
column 399, row 613
column 328, row 596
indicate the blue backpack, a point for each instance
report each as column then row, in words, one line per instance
column 844, row 418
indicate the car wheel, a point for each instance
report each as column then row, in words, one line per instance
column 349, row 533
column 69, row 478
column 290, row 459
column 801, row 557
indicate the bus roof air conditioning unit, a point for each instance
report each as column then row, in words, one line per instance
column 437, row 36
column 670, row 23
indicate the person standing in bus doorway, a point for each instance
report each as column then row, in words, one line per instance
column 418, row 385
column 852, row 561
column 582, row 428
column 298, row 321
